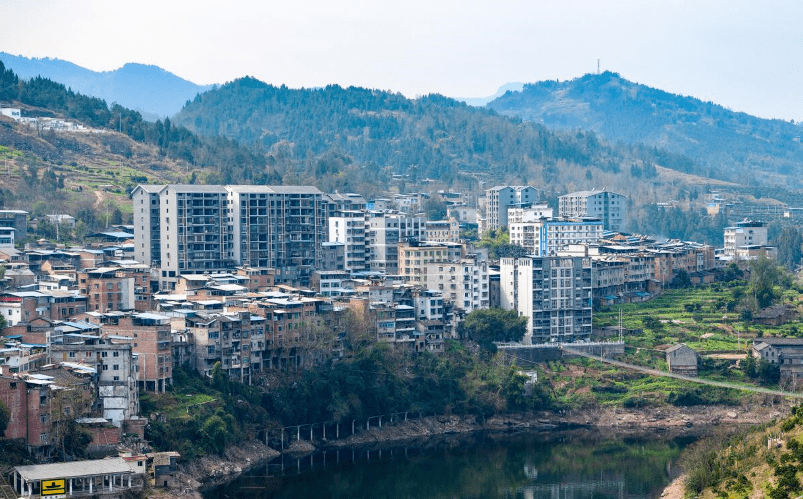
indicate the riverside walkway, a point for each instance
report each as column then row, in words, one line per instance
column 702, row 381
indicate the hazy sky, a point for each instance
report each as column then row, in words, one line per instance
column 744, row 54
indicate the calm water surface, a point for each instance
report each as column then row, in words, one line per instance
column 537, row 466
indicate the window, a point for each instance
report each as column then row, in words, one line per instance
column 116, row 354
column 105, row 367
column 117, row 367
column 43, row 437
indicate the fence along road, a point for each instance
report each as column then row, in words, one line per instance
column 656, row 372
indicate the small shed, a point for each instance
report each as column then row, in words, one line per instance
column 682, row 360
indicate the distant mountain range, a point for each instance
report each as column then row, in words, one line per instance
column 481, row 101
column 151, row 90
column 728, row 145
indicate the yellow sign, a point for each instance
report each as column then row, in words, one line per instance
column 54, row 487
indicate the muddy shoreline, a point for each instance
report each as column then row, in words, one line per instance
column 668, row 421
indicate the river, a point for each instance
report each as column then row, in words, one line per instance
column 534, row 465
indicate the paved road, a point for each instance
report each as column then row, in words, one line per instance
column 701, row 381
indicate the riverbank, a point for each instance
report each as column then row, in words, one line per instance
column 666, row 420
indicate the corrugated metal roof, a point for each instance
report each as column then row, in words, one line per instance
column 74, row 469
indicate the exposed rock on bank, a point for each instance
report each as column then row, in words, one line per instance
column 209, row 470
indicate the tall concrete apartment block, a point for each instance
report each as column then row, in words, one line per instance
column 147, row 230
column 348, row 227
column 383, row 233
column 609, row 207
column 554, row 293
column 502, row 197
column 282, row 227
column 192, row 229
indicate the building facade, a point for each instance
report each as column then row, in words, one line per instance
column 554, row 293
column 607, row 206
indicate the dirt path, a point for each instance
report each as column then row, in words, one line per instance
column 675, row 489
column 702, row 381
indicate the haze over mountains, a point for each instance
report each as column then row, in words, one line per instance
column 728, row 145
column 437, row 136
column 151, row 90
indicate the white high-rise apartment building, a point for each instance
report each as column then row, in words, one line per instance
column 383, row 233
column 498, row 199
column 607, row 206
column 554, row 293
column 349, row 228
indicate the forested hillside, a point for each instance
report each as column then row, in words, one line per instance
column 332, row 132
column 727, row 145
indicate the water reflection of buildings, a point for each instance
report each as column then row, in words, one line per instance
column 577, row 489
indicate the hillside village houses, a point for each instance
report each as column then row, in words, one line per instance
column 258, row 278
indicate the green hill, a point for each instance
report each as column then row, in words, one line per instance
column 364, row 135
column 726, row 145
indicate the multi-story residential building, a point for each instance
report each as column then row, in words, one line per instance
column 329, row 282
column 532, row 213
column 147, row 225
column 211, row 228
column 151, row 343
column 545, row 236
column 415, row 255
column 333, row 256
column 464, row 283
column 41, row 404
column 257, row 278
column 107, row 289
column 607, row 206
column 116, row 366
column 281, row 227
column 17, row 220
column 348, row 227
column 384, row 232
column 498, row 199
column 339, row 203
column 294, row 334
column 554, row 293
column 428, row 305
column 224, row 339
column 467, row 215
column 442, row 231
column 743, row 234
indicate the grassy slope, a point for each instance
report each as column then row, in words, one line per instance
column 98, row 168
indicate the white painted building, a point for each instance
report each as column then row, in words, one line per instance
column 607, row 206
column 498, row 199
column 554, row 293
column 349, row 228
column 744, row 234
